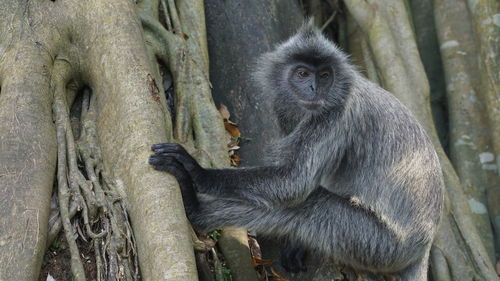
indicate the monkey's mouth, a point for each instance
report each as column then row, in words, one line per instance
column 311, row 104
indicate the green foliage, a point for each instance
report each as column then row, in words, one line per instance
column 215, row 235
column 227, row 274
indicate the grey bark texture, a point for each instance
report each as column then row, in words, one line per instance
column 237, row 35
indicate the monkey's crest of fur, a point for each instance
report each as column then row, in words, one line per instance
column 307, row 45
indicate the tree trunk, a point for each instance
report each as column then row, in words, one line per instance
column 469, row 133
column 237, row 36
column 391, row 38
column 27, row 139
column 101, row 45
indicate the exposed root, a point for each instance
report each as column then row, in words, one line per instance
column 84, row 186
column 219, row 274
column 60, row 109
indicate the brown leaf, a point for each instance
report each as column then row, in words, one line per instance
column 224, row 112
column 277, row 276
column 153, row 88
column 254, row 247
column 232, row 128
column 235, row 160
column 257, row 262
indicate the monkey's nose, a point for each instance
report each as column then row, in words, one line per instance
column 313, row 87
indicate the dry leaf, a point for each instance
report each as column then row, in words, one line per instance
column 224, row 112
column 277, row 276
column 232, row 129
column 153, row 89
column 234, row 135
column 235, row 160
column 257, row 262
column 232, row 141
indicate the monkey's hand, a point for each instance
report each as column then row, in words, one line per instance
column 164, row 161
column 175, row 153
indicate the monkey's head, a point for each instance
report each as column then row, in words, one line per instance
column 307, row 70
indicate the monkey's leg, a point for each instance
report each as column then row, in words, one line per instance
column 418, row 270
column 326, row 222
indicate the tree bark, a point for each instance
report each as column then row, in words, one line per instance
column 27, row 137
column 27, row 157
column 469, row 133
column 103, row 43
column 486, row 20
column 237, row 36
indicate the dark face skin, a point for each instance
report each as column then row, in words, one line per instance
column 311, row 84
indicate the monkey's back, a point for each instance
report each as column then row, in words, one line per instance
column 390, row 166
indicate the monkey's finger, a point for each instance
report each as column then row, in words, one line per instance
column 170, row 165
column 185, row 159
column 167, row 164
column 156, row 146
column 188, row 189
column 168, row 147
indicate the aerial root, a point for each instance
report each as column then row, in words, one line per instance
column 440, row 268
column 88, row 192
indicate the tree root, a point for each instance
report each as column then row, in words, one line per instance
column 198, row 124
column 88, row 189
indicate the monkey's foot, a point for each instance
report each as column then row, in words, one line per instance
column 293, row 258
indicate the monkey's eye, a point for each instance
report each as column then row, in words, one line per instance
column 324, row 75
column 302, row 74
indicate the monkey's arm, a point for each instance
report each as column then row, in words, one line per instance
column 260, row 184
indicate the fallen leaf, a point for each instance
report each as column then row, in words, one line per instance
column 232, row 129
column 153, row 89
column 232, row 141
column 224, row 112
column 277, row 276
column 257, row 262
column 235, row 160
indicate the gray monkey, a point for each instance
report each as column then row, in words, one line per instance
column 355, row 176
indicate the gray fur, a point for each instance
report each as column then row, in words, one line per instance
column 356, row 179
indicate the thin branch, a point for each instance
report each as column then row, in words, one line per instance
column 176, row 23
column 167, row 17
column 329, row 20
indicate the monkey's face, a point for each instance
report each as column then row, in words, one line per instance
column 307, row 73
column 310, row 84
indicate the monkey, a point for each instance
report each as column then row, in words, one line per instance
column 355, row 177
